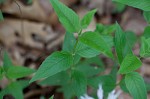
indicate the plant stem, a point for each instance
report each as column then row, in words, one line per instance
column 77, row 41
column 74, row 48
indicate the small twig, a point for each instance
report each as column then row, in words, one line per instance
column 21, row 17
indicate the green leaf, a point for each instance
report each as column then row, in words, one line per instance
column 120, row 42
column 69, row 42
column 68, row 45
column 1, row 72
column 87, row 18
column 105, row 29
column 52, row 97
column 99, row 28
column 7, row 61
column 146, row 33
column 130, row 38
column 91, row 66
column 145, row 48
column 119, row 7
column 130, row 63
column 141, row 4
column 53, row 64
column 136, row 86
column 109, row 29
column 109, row 40
column 14, row 89
column 95, row 41
column 130, row 42
column 67, row 17
column 76, row 59
column 113, row 72
column 86, row 51
column 88, row 70
column 67, row 91
column 29, row 1
column 23, row 83
column 147, row 85
column 81, row 49
column 58, row 79
column 146, row 15
column 79, row 83
column 107, row 81
column 123, row 86
column 15, row 72
column 1, row 15
column 2, row 1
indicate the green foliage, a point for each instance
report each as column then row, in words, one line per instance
column 146, row 33
column 136, row 85
column 120, row 42
column 29, row 1
column 52, row 97
column 67, row 17
column 2, row 1
column 15, row 72
column 82, row 49
column 147, row 86
column 131, row 39
column 69, row 42
column 146, row 15
column 58, row 79
column 119, row 7
column 78, row 65
column 86, row 51
column 123, row 85
column 107, row 81
column 11, row 72
column 87, row 18
column 14, row 89
column 130, row 63
column 95, row 41
column 79, row 82
column 105, row 30
column 141, row 4
column 87, row 68
column 55, row 63
column 1, row 72
column 145, row 48
column 1, row 15
column 7, row 61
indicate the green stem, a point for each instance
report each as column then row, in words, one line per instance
column 74, row 48
column 77, row 41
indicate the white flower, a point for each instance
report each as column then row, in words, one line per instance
column 111, row 95
column 100, row 92
column 86, row 97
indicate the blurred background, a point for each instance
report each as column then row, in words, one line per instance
column 31, row 31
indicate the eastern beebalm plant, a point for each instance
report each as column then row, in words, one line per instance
column 12, row 73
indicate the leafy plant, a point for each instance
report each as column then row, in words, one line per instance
column 140, row 4
column 12, row 73
column 78, row 64
column 1, row 15
column 146, row 15
column 67, row 69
